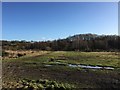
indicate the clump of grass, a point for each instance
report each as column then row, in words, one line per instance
column 27, row 84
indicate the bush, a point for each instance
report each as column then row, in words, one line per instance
column 20, row 55
column 4, row 53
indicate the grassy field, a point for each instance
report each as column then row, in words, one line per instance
column 54, row 66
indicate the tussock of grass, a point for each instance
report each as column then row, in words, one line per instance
column 27, row 84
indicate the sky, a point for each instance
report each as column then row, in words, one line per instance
column 54, row 20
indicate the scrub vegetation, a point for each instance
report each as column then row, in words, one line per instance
column 53, row 67
column 77, row 62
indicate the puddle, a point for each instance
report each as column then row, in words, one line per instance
column 90, row 67
column 83, row 66
column 108, row 68
column 48, row 65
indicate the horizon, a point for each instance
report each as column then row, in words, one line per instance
column 56, row 39
column 45, row 21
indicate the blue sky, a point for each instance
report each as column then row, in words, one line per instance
column 48, row 21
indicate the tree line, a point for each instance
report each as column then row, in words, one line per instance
column 80, row 42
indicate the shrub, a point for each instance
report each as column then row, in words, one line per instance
column 20, row 55
column 4, row 53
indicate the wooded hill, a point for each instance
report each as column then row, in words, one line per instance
column 80, row 42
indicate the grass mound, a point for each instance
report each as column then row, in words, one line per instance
column 27, row 84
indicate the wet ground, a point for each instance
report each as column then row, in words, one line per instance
column 42, row 67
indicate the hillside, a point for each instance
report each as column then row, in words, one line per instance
column 79, row 42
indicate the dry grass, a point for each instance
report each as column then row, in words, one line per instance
column 14, row 54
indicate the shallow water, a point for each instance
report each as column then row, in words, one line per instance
column 89, row 67
column 48, row 65
column 84, row 66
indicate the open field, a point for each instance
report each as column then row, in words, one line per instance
column 65, row 67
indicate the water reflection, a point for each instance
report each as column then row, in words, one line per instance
column 89, row 67
column 83, row 66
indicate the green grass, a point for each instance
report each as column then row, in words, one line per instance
column 33, row 67
column 91, row 58
column 88, row 58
